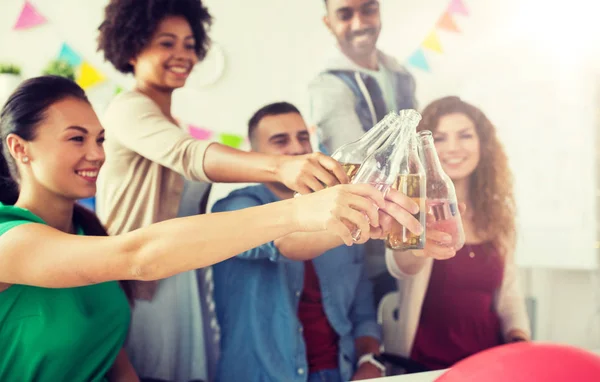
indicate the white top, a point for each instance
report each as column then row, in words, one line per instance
column 384, row 79
column 509, row 303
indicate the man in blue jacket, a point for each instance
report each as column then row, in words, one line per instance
column 292, row 320
column 358, row 87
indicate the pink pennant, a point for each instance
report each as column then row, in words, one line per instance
column 29, row 17
column 200, row 133
column 457, row 6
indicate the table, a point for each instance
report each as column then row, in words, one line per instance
column 428, row 376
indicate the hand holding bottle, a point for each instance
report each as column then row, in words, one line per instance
column 439, row 245
column 382, row 167
column 339, row 209
column 442, row 206
column 399, row 210
column 310, row 172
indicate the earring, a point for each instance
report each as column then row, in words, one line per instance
column 25, row 159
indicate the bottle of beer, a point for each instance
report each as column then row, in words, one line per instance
column 352, row 154
column 411, row 181
column 382, row 167
column 441, row 202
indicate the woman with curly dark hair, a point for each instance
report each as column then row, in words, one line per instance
column 148, row 156
column 469, row 302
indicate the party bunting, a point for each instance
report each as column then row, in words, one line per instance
column 88, row 76
column 29, row 17
column 419, row 60
column 232, row 140
column 69, row 55
column 200, row 132
column 446, row 22
column 457, row 6
column 432, row 42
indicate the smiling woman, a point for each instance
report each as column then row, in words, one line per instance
column 52, row 152
column 476, row 291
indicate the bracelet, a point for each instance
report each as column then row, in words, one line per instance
column 373, row 360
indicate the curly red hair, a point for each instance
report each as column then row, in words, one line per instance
column 491, row 183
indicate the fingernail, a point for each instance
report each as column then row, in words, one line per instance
column 415, row 208
column 447, row 239
column 420, row 229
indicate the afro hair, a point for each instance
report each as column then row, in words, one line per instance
column 129, row 25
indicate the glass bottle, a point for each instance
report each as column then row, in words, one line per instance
column 411, row 181
column 442, row 204
column 353, row 154
column 381, row 168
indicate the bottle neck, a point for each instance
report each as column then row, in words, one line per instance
column 369, row 142
column 413, row 161
column 378, row 133
column 432, row 161
column 396, row 145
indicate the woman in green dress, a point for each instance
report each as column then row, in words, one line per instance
column 63, row 315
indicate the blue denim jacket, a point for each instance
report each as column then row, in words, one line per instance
column 257, row 295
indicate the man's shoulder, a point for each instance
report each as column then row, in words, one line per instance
column 329, row 79
column 392, row 64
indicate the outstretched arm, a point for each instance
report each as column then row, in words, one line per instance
column 36, row 254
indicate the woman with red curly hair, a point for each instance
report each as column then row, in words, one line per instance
column 453, row 306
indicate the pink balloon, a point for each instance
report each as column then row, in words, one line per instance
column 526, row 362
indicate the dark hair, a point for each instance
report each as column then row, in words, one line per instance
column 129, row 25
column 276, row 108
column 22, row 113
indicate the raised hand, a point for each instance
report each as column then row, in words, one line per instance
column 339, row 210
column 312, row 172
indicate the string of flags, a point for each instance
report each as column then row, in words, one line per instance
column 201, row 133
column 29, row 17
column 86, row 75
column 432, row 42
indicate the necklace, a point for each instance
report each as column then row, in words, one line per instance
column 471, row 252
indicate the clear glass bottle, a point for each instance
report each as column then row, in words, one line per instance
column 353, row 154
column 411, row 181
column 442, row 204
column 381, row 168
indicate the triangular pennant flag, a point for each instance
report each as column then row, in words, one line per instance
column 457, row 6
column 446, row 22
column 118, row 90
column 432, row 42
column 419, row 60
column 69, row 55
column 88, row 76
column 200, row 132
column 232, row 140
column 29, row 17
